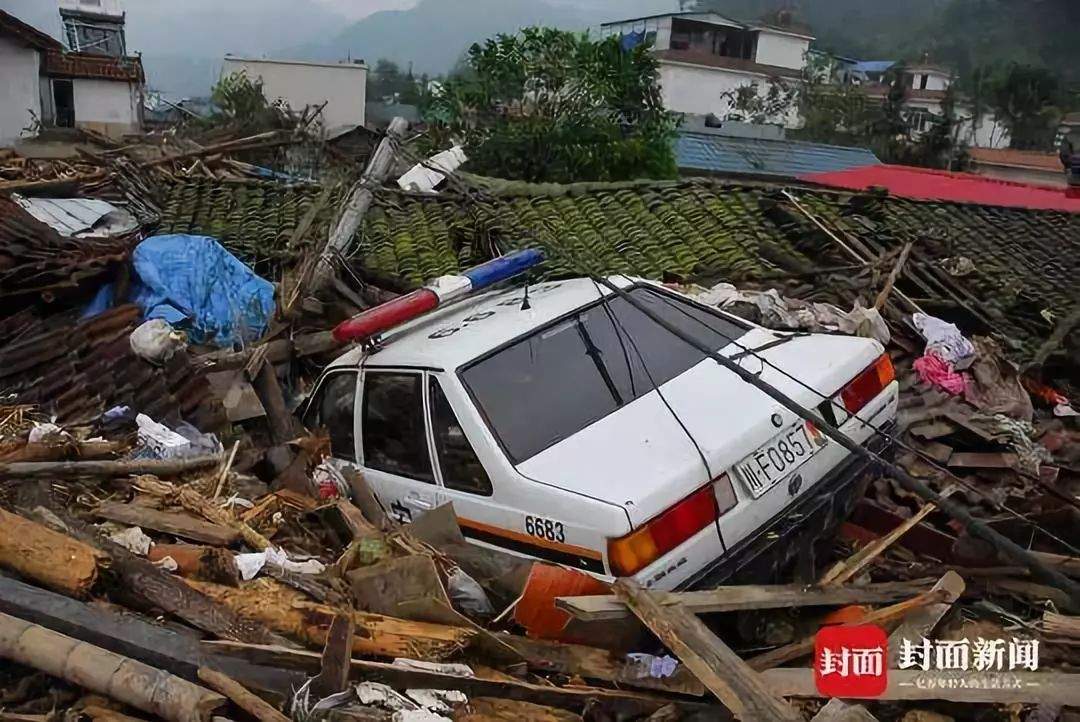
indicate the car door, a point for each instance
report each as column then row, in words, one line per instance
column 333, row 407
column 395, row 454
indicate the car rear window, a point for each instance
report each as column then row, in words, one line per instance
column 563, row 377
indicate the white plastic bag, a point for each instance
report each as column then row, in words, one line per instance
column 156, row 341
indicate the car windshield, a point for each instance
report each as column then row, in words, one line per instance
column 563, row 377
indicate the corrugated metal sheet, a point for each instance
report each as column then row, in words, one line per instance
column 72, row 216
column 789, row 159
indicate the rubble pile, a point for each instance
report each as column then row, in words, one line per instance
column 175, row 544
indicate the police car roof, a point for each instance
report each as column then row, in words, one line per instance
column 483, row 323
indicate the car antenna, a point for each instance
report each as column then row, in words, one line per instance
column 525, row 301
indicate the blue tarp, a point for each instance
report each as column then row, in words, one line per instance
column 196, row 285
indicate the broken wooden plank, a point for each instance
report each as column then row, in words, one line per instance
column 839, row 711
column 979, row 460
column 66, row 470
column 168, row 522
column 848, row 568
column 48, row 557
column 738, row 598
column 98, row 670
column 334, row 675
column 196, row 503
column 921, row 622
column 241, row 697
column 721, row 670
column 881, row 617
column 625, row 703
column 294, row 615
column 597, row 664
column 1052, row 688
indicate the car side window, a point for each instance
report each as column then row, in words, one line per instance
column 461, row 469
column 333, row 409
column 395, row 439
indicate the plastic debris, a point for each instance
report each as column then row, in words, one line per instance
column 134, row 540
column 44, row 432
column 425, row 177
column 160, row 441
column 945, row 340
column 467, row 594
column 649, row 666
column 156, row 341
column 251, row 564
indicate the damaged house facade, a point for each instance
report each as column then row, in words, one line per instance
column 92, row 83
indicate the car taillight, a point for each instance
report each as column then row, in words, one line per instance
column 868, row 384
column 640, row 548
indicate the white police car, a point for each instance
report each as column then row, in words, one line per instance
column 564, row 424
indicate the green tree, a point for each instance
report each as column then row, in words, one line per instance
column 239, row 100
column 1028, row 100
column 549, row 105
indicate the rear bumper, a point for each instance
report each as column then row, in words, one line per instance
column 763, row 555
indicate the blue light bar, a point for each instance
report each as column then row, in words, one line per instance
column 502, row 268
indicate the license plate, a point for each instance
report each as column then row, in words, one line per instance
column 784, row 453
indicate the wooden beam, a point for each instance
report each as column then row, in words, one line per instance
column 740, row 598
column 168, row 522
column 623, row 702
column 848, row 568
column 1051, row 688
column 597, row 664
column 66, row 470
column 921, row 622
column 334, row 675
column 882, row 617
column 129, row 635
column 721, row 670
column 48, row 557
column 242, row 697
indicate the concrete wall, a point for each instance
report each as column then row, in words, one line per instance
column 342, row 87
column 784, row 51
column 699, row 89
column 107, row 106
column 20, row 88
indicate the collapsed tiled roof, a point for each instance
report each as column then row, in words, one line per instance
column 1026, row 262
column 77, row 370
column 254, row 220
column 37, row 262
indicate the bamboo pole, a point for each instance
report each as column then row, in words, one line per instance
column 136, row 684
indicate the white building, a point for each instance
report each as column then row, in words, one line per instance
column 100, row 88
column 705, row 57
column 342, row 86
column 926, row 87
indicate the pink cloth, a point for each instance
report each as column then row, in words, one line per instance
column 932, row 369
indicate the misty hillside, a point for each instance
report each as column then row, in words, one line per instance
column 434, row 34
column 961, row 33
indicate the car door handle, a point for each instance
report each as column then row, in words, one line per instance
column 419, row 503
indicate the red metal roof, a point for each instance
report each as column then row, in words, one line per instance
column 925, row 184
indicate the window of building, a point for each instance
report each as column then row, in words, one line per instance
column 461, row 468
column 395, row 439
column 98, row 38
column 333, row 409
column 923, row 80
